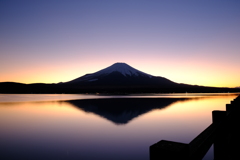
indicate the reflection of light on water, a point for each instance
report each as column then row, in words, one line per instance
column 209, row 155
column 44, row 97
column 66, row 129
column 57, row 97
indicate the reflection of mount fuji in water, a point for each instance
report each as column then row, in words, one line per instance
column 122, row 110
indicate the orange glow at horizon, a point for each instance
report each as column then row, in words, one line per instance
column 158, row 38
column 193, row 72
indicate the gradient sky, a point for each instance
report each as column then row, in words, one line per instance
column 187, row 41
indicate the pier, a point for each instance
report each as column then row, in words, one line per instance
column 223, row 134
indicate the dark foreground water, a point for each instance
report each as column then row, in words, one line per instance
column 92, row 127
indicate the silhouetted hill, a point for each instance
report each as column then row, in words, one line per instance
column 119, row 78
column 120, row 74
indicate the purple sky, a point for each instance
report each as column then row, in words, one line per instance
column 188, row 41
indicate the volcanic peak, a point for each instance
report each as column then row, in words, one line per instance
column 123, row 68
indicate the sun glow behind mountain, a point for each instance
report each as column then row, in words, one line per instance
column 180, row 74
column 187, row 42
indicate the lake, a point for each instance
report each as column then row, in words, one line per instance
column 108, row 127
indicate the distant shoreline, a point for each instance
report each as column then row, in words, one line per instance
column 13, row 88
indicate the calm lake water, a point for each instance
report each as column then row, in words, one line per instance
column 92, row 127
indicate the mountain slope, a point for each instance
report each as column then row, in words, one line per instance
column 118, row 78
column 120, row 74
column 122, row 68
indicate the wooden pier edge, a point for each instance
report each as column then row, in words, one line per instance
column 224, row 125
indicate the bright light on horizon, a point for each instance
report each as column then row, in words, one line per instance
column 186, row 42
column 191, row 76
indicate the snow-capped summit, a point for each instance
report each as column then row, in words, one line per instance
column 120, row 74
column 122, row 68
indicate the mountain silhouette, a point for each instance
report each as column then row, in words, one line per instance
column 119, row 78
column 123, row 110
column 120, row 74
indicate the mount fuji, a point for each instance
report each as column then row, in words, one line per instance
column 120, row 74
column 119, row 78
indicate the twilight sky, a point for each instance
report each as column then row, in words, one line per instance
column 187, row 41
